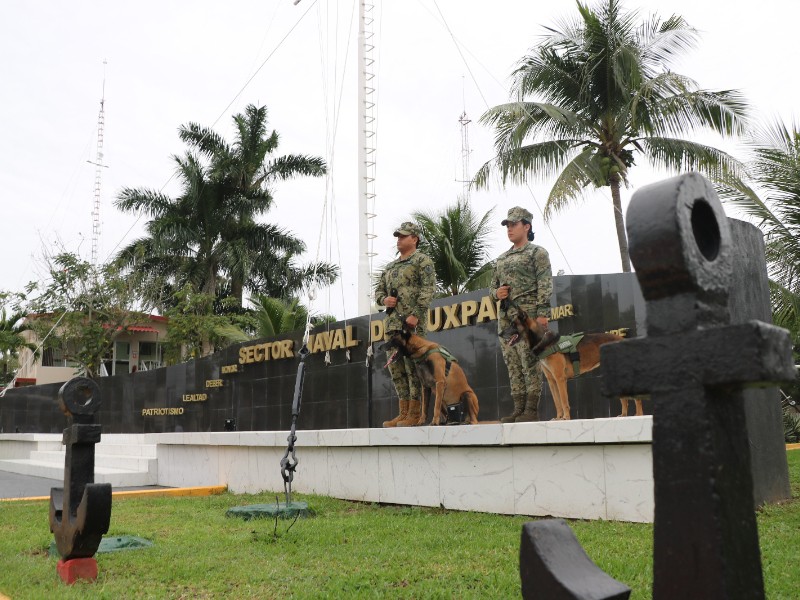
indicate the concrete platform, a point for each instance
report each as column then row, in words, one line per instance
column 581, row 469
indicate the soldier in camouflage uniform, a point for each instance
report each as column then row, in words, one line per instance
column 523, row 275
column 406, row 288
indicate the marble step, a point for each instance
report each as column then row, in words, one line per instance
column 117, row 477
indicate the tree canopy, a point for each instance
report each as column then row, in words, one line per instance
column 597, row 92
column 772, row 197
column 456, row 240
column 209, row 236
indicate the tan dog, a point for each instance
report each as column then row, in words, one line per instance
column 557, row 367
column 437, row 370
column 624, row 401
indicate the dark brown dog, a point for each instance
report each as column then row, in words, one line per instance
column 448, row 381
column 557, row 367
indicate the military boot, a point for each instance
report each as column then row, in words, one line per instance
column 412, row 417
column 403, row 414
column 519, row 408
column 531, row 412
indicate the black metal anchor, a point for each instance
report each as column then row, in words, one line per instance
column 694, row 364
column 80, row 512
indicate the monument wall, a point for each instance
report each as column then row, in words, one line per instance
column 250, row 386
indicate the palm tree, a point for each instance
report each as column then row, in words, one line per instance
column 246, row 171
column 456, row 240
column 775, row 170
column 605, row 93
column 208, row 236
column 274, row 316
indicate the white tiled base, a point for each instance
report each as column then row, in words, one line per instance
column 592, row 469
column 589, row 469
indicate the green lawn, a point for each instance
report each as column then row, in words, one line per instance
column 349, row 550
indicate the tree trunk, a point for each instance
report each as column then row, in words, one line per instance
column 237, row 290
column 620, row 223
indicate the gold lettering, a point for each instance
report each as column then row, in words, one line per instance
column 230, row 368
column 348, row 336
column 319, row 343
column 195, row 397
column 258, row 352
column 251, row 352
column 338, row 340
column 621, row 332
column 435, row 319
column 451, row 317
column 151, row 412
column 469, row 308
column 559, row 312
column 287, row 348
column 242, row 355
column 487, row 310
column 376, row 331
column 213, row 383
column 275, row 350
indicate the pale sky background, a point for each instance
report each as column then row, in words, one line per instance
column 174, row 62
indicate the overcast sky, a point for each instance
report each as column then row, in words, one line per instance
column 170, row 63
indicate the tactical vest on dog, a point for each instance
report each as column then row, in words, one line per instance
column 446, row 354
column 567, row 344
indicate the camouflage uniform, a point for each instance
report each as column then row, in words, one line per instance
column 414, row 278
column 527, row 270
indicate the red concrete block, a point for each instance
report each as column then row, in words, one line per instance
column 77, row 568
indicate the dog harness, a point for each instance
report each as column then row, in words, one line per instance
column 567, row 344
column 446, row 354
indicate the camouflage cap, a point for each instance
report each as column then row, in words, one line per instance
column 517, row 214
column 408, row 228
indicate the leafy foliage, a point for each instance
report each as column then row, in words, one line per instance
column 194, row 331
column 12, row 327
column 791, row 426
column 209, row 237
column 604, row 92
column 456, row 240
column 275, row 316
column 775, row 171
column 82, row 310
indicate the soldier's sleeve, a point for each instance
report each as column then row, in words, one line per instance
column 495, row 281
column 427, row 288
column 380, row 289
column 544, row 283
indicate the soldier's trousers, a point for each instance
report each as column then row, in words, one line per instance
column 404, row 377
column 404, row 374
column 524, row 373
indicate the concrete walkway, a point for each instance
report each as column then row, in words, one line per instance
column 13, row 485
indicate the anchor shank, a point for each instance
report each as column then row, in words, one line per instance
column 705, row 530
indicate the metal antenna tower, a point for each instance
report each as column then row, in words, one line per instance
column 366, row 155
column 465, row 152
column 99, row 166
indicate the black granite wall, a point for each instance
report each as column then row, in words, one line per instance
column 344, row 394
